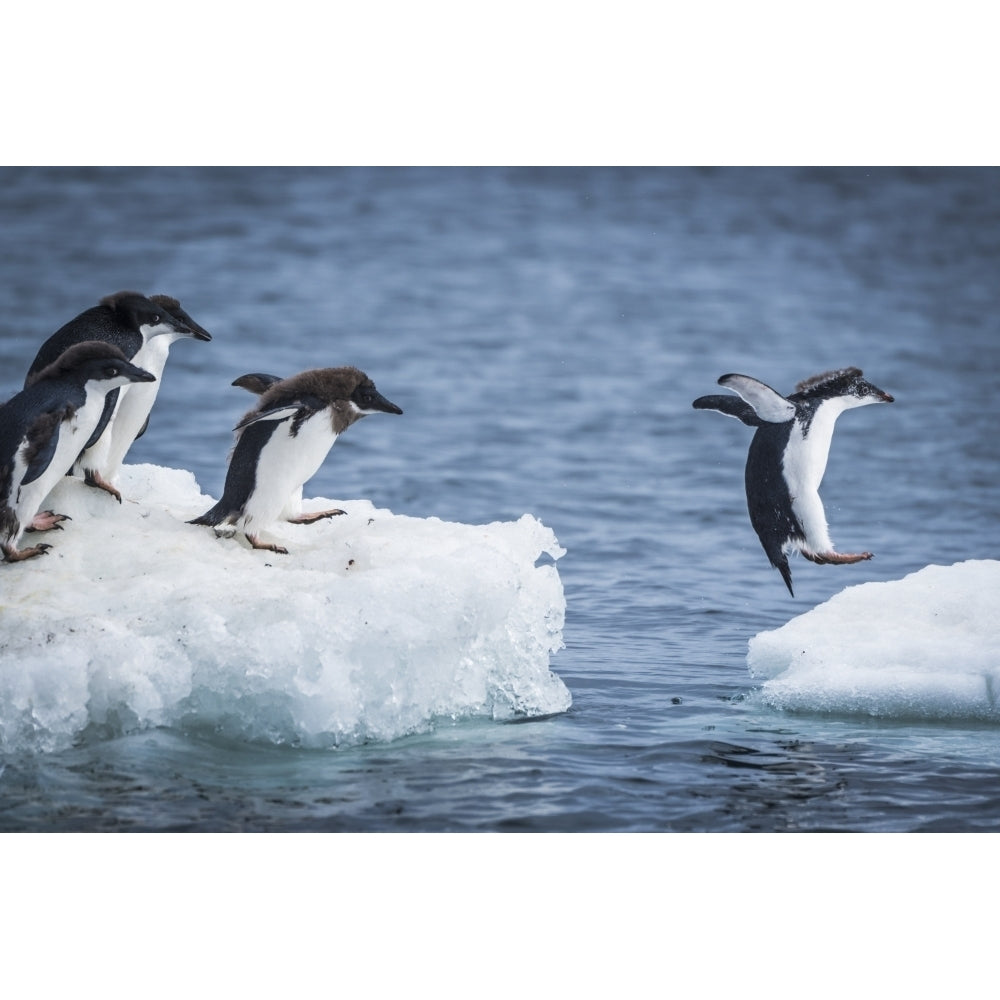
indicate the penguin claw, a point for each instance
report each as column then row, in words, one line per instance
column 14, row 555
column 258, row 544
column 47, row 520
column 318, row 516
column 837, row 558
column 95, row 479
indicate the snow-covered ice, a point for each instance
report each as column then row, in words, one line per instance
column 924, row 647
column 372, row 627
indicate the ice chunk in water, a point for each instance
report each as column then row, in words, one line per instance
column 372, row 627
column 924, row 647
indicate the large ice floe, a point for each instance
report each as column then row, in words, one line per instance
column 374, row 625
column 924, row 647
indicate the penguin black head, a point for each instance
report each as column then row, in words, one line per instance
column 173, row 307
column 94, row 360
column 846, row 382
column 136, row 311
column 368, row 399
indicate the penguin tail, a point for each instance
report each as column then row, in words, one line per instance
column 786, row 574
column 216, row 515
column 778, row 557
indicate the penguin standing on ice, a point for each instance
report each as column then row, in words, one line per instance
column 788, row 456
column 43, row 429
column 143, row 329
column 281, row 443
column 131, row 418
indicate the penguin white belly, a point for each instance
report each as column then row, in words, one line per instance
column 73, row 434
column 803, row 468
column 134, row 405
column 293, row 506
column 96, row 456
column 285, row 464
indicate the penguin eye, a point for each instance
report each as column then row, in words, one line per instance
column 156, row 319
column 111, row 370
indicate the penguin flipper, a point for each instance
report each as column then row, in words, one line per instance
column 256, row 382
column 302, row 404
column 768, row 404
column 110, row 402
column 731, row 406
column 279, row 413
column 43, row 436
column 142, row 429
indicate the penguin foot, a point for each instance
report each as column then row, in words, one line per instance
column 836, row 558
column 313, row 518
column 93, row 478
column 12, row 554
column 46, row 520
column 258, row 544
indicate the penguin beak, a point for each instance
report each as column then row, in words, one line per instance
column 383, row 404
column 187, row 326
column 194, row 330
column 879, row 394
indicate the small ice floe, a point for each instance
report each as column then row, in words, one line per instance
column 924, row 647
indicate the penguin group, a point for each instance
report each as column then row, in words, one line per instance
column 87, row 398
column 88, row 394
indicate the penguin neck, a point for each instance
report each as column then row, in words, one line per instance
column 95, row 391
column 153, row 354
column 805, row 464
column 343, row 413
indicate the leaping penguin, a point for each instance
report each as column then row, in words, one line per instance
column 788, row 456
column 281, row 443
column 45, row 427
column 143, row 329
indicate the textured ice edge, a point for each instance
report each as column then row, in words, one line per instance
column 374, row 626
column 924, row 647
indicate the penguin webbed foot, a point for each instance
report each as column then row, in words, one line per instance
column 837, row 558
column 47, row 520
column 317, row 516
column 258, row 544
column 11, row 554
column 93, row 478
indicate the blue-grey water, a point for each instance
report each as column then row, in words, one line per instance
column 545, row 332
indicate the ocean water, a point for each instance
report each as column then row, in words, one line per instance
column 545, row 332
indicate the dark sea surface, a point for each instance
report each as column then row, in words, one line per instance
column 545, row 331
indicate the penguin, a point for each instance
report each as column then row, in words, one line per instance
column 45, row 427
column 788, row 456
column 259, row 383
column 135, row 324
column 131, row 418
column 281, row 443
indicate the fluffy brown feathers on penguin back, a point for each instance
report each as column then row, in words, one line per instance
column 327, row 384
column 332, row 387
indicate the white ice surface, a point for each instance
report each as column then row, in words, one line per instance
column 372, row 627
column 924, row 647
